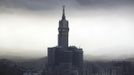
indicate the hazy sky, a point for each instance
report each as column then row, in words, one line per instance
column 100, row 27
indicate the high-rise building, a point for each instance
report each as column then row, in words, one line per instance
column 64, row 59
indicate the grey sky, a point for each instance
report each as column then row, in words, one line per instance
column 52, row 4
column 100, row 27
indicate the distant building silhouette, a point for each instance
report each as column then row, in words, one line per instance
column 64, row 59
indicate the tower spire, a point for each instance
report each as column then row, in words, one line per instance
column 63, row 12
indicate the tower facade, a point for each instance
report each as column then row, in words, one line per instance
column 64, row 59
column 63, row 31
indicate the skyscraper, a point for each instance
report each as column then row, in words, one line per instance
column 64, row 59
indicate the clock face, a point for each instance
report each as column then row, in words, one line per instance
column 63, row 29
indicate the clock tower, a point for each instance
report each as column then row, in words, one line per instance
column 63, row 31
column 64, row 59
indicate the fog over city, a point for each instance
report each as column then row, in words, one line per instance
column 103, row 28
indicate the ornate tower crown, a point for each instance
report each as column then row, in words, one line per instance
column 63, row 31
